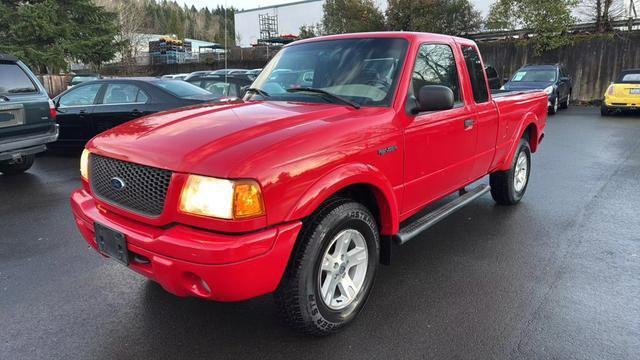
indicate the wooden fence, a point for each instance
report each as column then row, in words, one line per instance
column 592, row 61
column 55, row 84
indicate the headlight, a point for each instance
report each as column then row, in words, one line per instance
column 502, row 87
column 549, row 90
column 221, row 198
column 84, row 164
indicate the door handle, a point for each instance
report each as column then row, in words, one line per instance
column 468, row 124
column 136, row 112
column 82, row 111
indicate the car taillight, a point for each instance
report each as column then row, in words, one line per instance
column 610, row 90
column 52, row 110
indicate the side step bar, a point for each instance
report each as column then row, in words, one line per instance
column 411, row 230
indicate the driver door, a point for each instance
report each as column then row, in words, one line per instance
column 440, row 145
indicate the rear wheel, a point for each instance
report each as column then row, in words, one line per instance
column 331, row 271
column 508, row 187
column 604, row 110
column 13, row 167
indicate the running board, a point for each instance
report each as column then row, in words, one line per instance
column 416, row 227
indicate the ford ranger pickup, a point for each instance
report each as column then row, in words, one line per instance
column 342, row 146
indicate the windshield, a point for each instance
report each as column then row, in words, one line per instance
column 181, row 88
column 631, row 78
column 535, row 75
column 364, row 71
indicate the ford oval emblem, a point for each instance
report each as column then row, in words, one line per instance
column 117, row 183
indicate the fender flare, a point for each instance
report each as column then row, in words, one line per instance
column 529, row 119
column 347, row 175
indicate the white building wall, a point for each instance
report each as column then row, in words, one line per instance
column 290, row 18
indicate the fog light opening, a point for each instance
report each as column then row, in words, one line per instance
column 197, row 285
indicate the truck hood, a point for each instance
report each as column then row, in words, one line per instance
column 214, row 139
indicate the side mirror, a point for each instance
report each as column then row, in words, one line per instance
column 564, row 78
column 434, row 98
column 505, row 80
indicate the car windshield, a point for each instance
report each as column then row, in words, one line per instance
column 631, row 78
column 13, row 80
column 364, row 71
column 181, row 88
column 535, row 75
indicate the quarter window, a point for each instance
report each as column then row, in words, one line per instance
column 476, row 74
column 436, row 65
column 124, row 94
column 80, row 96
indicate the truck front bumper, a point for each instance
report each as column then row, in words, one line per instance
column 29, row 145
column 192, row 262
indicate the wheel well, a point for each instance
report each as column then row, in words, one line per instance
column 365, row 195
column 531, row 134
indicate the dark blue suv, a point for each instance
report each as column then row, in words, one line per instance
column 27, row 116
column 553, row 79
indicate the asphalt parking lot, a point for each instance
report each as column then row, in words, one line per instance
column 557, row 277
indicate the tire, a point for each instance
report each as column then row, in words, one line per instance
column 15, row 167
column 299, row 296
column 604, row 110
column 505, row 188
column 553, row 109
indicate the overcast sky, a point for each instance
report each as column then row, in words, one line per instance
column 482, row 5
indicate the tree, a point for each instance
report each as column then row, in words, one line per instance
column 454, row 17
column 548, row 20
column 349, row 16
column 46, row 34
column 603, row 12
column 310, row 31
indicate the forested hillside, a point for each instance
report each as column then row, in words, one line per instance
column 168, row 17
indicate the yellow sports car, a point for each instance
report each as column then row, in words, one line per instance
column 622, row 94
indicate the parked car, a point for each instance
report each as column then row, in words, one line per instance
column 253, row 73
column 229, row 72
column 300, row 191
column 27, row 117
column 492, row 76
column 221, row 85
column 175, row 76
column 553, row 79
column 93, row 107
column 622, row 94
column 79, row 79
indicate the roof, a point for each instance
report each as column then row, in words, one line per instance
column 408, row 35
column 7, row 57
column 542, row 66
column 277, row 6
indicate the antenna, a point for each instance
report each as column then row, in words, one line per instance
column 226, row 49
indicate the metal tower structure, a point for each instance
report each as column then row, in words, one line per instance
column 268, row 27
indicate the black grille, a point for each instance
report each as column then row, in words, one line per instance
column 144, row 190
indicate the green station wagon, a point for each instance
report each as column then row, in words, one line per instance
column 27, row 116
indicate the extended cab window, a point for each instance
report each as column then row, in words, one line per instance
column 476, row 74
column 436, row 65
column 13, row 80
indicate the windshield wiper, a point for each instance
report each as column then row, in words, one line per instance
column 328, row 95
column 258, row 91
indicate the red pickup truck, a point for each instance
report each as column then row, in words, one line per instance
column 342, row 146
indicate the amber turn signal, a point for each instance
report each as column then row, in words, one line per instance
column 247, row 200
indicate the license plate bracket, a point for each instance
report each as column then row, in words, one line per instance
column 112, row 243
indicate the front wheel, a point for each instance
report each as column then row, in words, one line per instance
column 553, row 109
column 14, row 167
column 332, row 268
column 508, row 187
